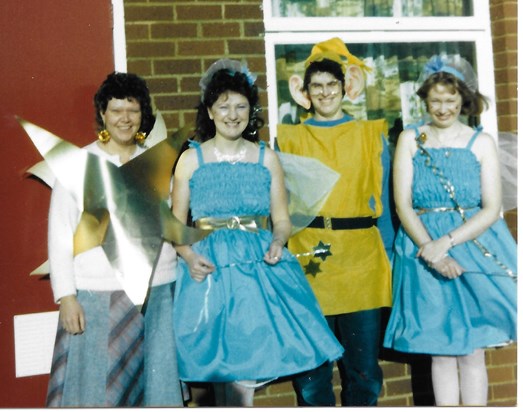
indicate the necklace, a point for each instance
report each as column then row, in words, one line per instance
column 230, row 158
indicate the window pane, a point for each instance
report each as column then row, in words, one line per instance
column 390, row 90
column 371, row 8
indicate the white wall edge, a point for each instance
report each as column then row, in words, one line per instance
column 119, row 45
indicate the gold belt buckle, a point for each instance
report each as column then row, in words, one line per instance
column 327, row 223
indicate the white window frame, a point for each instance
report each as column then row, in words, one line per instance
column 479, row 21
column 119, row 40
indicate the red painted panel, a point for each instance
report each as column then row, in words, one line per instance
column 53, row 56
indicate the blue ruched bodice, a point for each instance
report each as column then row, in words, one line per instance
column 428, row 192
column 435, row 315
column 224, row 189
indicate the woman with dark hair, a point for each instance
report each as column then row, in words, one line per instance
column 454, row 290
column 124, row 86
column 243, row 313
column 206, row 127
column 108, row 352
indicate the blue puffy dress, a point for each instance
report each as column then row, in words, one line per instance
column 248, row 320
column 435, row 315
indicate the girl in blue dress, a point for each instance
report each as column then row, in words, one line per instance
column 454, row 290
column 244, row 313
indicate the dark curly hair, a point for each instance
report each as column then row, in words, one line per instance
column 224, row 81
column 473, row 102
column 124, row 86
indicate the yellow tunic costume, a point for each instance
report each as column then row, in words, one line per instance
column 358, row 275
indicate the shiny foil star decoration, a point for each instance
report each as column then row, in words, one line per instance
column 312, row 268
column 120, row 206
column 322, row 250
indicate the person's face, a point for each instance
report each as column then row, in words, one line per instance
column 230, row 114
column 326, row 95
column 443, row 106
column 122, row 120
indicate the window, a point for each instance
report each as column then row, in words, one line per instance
column 371, row 8
column 395, row 38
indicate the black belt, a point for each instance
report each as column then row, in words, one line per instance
column 343, row 223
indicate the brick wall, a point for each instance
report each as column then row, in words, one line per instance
column 504, row 19
column 503, row 13
column 171, row 42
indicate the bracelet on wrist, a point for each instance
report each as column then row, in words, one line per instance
column 452, row 241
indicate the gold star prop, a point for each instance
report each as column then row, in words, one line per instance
column 120, row 206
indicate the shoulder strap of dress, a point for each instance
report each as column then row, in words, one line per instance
column 415, row 127
column 262, row 152
column 479, row 129
column 196, row 145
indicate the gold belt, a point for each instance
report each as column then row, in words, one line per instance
column 248, row 223
column 423, row 210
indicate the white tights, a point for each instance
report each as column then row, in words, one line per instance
column 239, row 393
column 452, row 375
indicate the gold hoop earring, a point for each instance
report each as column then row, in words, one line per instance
column 140, row 137
column 104, row 136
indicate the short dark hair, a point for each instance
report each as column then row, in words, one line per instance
column 224, row 81
column 326, row 66
column 473, row 101
column 124, row 86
